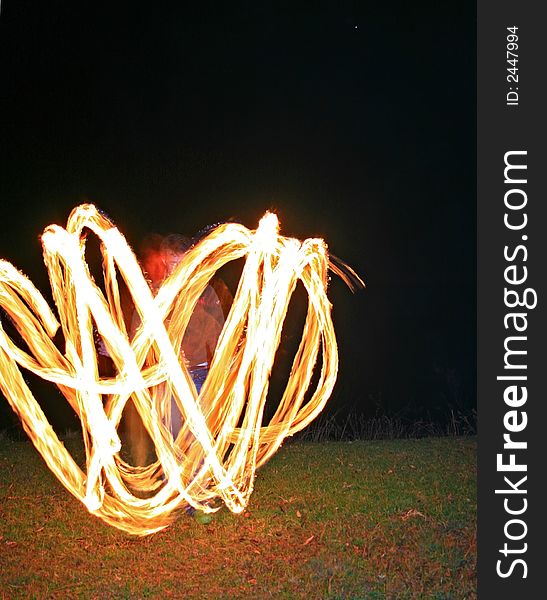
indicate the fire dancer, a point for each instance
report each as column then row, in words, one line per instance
column 159, row 258
column 204, row 327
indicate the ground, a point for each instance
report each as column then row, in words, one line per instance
column 368, row 519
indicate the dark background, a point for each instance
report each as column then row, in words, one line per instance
column 354, row 121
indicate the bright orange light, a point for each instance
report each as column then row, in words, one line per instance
column 223, row 439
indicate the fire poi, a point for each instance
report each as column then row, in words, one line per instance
column 224, row 438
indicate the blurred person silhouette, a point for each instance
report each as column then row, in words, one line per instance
column 159, row 257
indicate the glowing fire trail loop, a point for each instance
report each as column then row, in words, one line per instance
column 223, row 439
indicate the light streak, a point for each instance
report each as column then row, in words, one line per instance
column 223, row 439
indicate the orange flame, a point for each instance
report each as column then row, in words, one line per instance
column 223, row 439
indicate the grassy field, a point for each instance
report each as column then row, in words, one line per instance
column 369, row 519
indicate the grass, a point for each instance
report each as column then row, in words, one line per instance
column 357, row 426
column 371, row 520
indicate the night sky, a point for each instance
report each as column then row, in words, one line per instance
column 354, row 121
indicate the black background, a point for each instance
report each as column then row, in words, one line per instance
column 354, row 121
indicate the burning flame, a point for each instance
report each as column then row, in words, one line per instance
column 223, row 439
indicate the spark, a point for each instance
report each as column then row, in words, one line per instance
column 224, row 438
